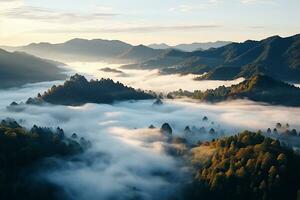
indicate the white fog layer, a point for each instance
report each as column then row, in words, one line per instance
column 147, row 79
column 126, row 157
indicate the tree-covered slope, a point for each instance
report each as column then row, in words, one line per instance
column 275, row 56
column 258, row 88
column 19, row 68
column 78, row 90
column 21, row 154
column 246, row 166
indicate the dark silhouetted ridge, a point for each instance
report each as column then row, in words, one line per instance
column 20, row 68
column 78, row 90
column 259, row 88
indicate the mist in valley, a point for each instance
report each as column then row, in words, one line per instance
column 126, row 157
column 145, row 79
column 149, row 100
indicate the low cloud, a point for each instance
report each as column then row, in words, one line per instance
column 148, row 79
column 127, row 160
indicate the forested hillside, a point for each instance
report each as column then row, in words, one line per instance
column 22, row 154
column 259, row 88
column 78, row 91
column 245, row 166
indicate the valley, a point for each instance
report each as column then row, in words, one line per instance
column 115, row 132
column 149, row 100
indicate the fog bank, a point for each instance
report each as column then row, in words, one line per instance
column 147, row 79
column 127, row 160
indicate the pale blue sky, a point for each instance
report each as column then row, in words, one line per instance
column 155, row 21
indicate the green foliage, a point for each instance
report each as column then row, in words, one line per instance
column 248, row 166
column 21, row 155
column 78, row 91
column 257, row 88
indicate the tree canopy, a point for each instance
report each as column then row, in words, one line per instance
column 247, row 166
column 21, row 154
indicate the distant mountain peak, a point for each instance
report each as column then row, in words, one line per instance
column 272, row 38
column 249, row 41
column 159, row 46
column 82, row 40
column 192, row 46
column 141, row 46
column 39, row 44
column 140, row 53
column 76, row 40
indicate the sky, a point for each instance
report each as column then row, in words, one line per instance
column 146, row 22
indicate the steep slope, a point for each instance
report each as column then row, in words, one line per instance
column 19, row 68
column 275, row 56
column 78, row 91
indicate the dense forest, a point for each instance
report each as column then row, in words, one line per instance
column 23, row 153
column 245, row 166
column 258, row 88
column 78, row 91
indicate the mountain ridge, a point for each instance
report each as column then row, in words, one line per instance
column 259, row 88
column 78, row 49
column 20, row 68
column 191, row 46
column 274, row 56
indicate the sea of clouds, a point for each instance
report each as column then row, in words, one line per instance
column 146, row 79
column 127, row 160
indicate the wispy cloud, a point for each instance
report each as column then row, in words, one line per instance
column 258, row 1
column 183, row 8
column 9, row 4
column 10, row 1
column 256, row 27
column 199, row 6
column 44, row 14
column 136, row 29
